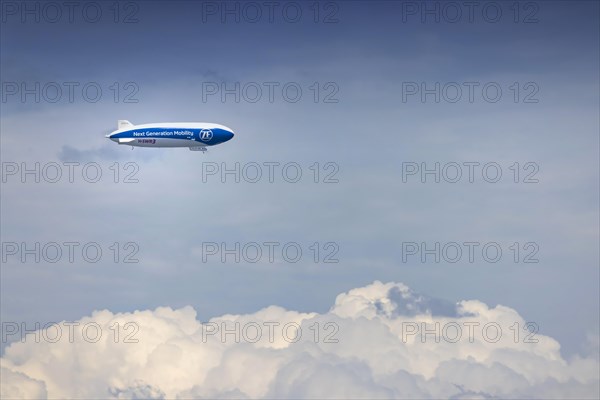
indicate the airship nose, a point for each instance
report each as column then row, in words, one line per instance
column 230, row 135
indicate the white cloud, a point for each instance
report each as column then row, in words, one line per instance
column 369, row 345
column 16, row 385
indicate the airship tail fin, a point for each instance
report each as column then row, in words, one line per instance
column 123, row 123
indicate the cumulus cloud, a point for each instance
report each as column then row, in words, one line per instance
column 379, row 341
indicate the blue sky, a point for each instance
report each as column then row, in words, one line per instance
column 368, row 54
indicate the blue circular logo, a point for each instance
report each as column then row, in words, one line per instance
column 206, row 135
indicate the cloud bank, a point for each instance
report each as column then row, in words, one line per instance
column 378, row 341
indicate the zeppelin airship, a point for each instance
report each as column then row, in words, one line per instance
column 197, row 136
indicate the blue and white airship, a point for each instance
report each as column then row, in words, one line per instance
column 197, row 136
